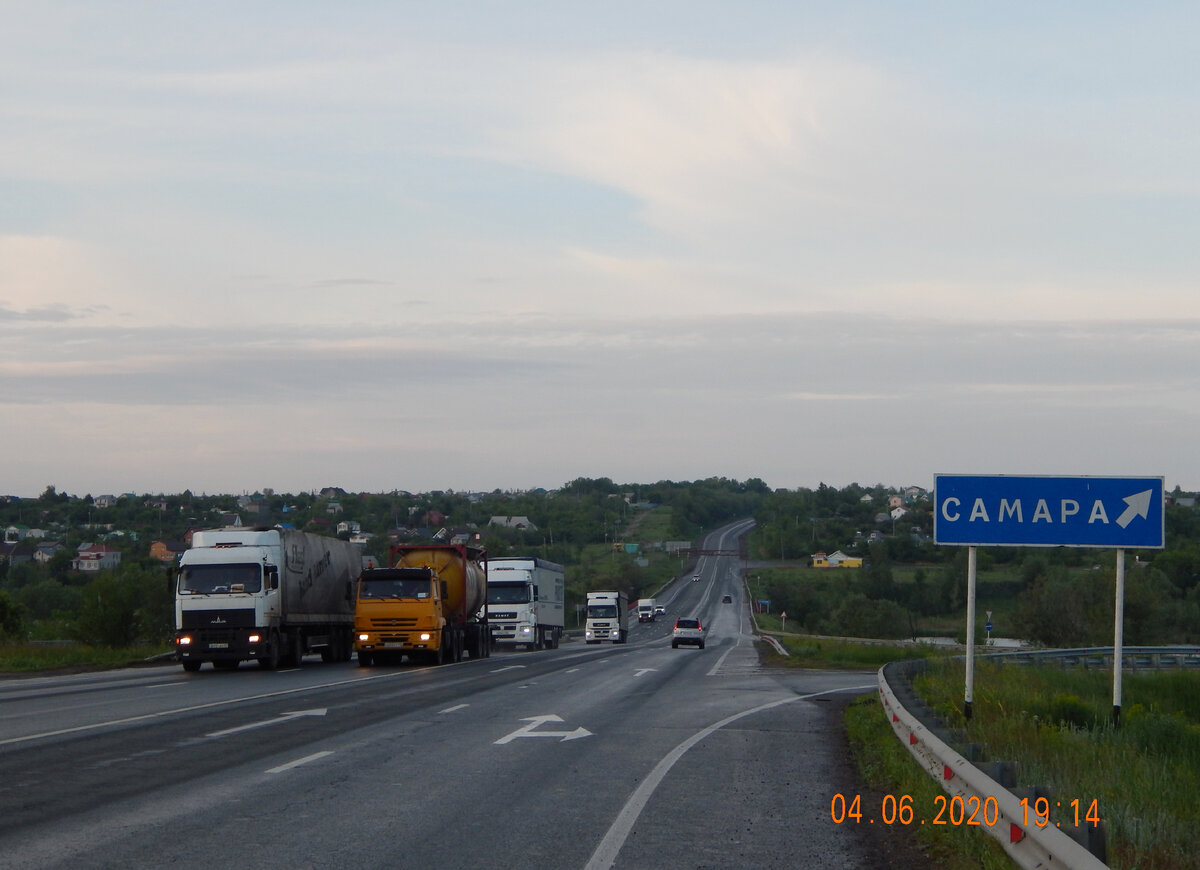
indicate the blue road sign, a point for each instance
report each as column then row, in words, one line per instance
column 1009, row 511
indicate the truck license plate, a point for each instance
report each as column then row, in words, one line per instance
column 218, row 646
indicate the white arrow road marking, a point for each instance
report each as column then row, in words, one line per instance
column 534, row 722
column 1139, row 506
column 283, row 717
column 641, row 671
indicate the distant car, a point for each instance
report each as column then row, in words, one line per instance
column 660, row 610
column 727, row 599
column 695, row 577
column 688, row 630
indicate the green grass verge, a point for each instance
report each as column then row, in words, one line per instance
column 1057, row 724
column 888, row 768
column 30, row 658
column 811, row 652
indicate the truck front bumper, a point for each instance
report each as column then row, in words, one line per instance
column 220, row 645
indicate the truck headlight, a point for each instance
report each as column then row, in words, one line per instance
column 526, row 629
column 425, row 636
column 254, row 638
column 364, row 637
column 183, row 641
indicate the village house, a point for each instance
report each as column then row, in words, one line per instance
column 93, row 558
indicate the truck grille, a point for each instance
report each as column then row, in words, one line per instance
column 386, row 622
column 218, row 619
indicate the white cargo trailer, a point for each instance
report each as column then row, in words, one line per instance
column 607, row 617
column 271, row 595
column 525, row 597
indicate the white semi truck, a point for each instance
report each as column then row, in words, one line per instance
column 525, row 597
column 607, row 618
column 270, row 595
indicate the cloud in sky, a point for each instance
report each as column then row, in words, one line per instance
column 288, row 246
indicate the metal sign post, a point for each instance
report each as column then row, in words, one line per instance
column 1118, row 637
column 972, row 561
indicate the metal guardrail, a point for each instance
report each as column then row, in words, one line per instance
column 1133, row 658
column 1005, row 818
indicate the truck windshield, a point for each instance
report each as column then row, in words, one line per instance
column 602, row 611
column 508, row 593
column 394, row 588
column 207, row 579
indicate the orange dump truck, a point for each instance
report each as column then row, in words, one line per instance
column 426, row 606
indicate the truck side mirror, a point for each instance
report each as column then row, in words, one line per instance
column 272, row 578
column 535, row 591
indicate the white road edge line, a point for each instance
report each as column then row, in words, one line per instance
column 299, row 761
column 161, row 713
column 606, row 853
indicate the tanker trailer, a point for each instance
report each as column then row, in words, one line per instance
column 425, row 606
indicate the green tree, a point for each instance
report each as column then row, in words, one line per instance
column 124, row 607
column 11, row 621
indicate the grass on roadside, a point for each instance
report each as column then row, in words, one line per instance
column 888, row 768
column 810, row 652
column 1056, row 723
column 16, row 658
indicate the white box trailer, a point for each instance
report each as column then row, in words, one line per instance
column 647, row 609
column 607, row 618
column 525, row 602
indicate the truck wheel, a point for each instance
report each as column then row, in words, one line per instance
column 364, row 659
column 674, row 645
column 296, row 650
column 191, row 667
column 270, row 661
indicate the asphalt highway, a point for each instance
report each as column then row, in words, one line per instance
column 587, row 757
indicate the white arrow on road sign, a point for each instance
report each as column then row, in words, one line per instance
column 534, row 722
column 1139, row 506
column 283, row 717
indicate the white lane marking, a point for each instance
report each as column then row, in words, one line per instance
column 606, row 853
column 534, row 722
column 452, row 709
column 163, row 685
column 717, row 667
column 508, row 668
column 282, row 717
column 160, row 714
column 299, row 761
column 641, row 671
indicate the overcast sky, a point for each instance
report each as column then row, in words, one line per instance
column 385, row 245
